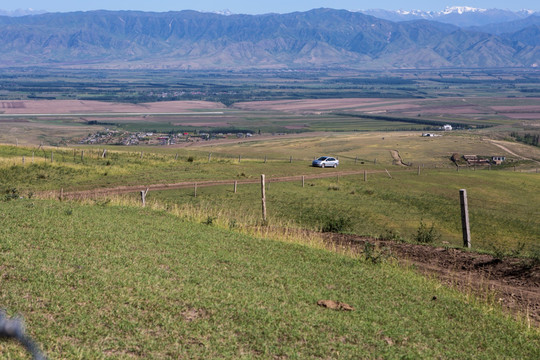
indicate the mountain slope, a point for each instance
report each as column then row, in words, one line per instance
column 189, row 39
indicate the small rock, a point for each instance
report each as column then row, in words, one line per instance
column 335, row 305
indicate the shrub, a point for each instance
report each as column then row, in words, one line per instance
column 336, row 224
column 425, row 234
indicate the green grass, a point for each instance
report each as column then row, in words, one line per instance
column 119, row 282
column 504, row 206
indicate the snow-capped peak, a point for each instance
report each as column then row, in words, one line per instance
column 460, row 10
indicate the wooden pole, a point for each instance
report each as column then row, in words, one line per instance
column 209, row 157
column 265, row 159
column 176, row 157
column 235, row 185
column 465, row 218
column 195, row 190
column 418, row 170
column 365, row 175
column 239, row 158
column 303, row 181
column 263, row 193
column 62, row 194
column 143, row 198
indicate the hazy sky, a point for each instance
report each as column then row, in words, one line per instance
column 258, row 7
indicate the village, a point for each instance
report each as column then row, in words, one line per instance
column 127, row 138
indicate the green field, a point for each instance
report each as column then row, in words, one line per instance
column 97, row 281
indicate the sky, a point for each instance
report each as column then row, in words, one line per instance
column 257, row 7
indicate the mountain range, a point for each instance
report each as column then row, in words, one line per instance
column 311, row 39
column 463, row 16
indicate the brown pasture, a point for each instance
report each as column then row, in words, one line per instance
column 89, row 106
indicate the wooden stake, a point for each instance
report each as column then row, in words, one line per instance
column 62, row 194
column 418, row 170
column 239, row 158
column 235, row 185
column 176, row 157
column 265, row 159
column 263, row 193
column 303, row 181
column 465, row 218
column 365, row 175
column 143, row 198
column 209, row 157
column 195, row 190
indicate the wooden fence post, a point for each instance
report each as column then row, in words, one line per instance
column 195, row 190
column 263, row 193
column 235, row 185
column 365, row 175
column 303, row 181
column 176, row 157
column 265, row 159
column 239, row 158
column 143, row 198
column 62, row 194
column 465, row 218
column 209, row 157
column 418, row 170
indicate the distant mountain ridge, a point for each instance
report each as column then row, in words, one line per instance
column 463, row 16
column 194, row 40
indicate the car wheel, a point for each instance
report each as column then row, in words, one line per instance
column 322, row 165
column 335, row 166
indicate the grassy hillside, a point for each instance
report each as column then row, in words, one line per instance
column 119, row 282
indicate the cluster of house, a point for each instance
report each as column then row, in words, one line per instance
column 115, row 137
column 476, row 160
column 446, row 127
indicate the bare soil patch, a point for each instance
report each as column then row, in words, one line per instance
column 514, row 282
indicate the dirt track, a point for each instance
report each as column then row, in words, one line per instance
column 188, row 184
column 514, row 282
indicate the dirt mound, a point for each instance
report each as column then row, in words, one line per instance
column 514, row 282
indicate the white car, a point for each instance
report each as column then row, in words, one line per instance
column 325, row 161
